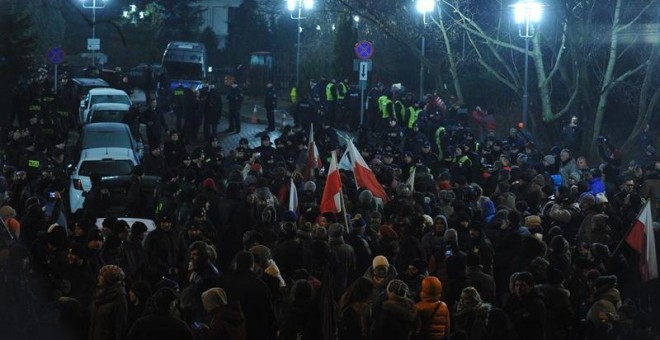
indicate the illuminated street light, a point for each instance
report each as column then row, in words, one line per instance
column 526, row 13
column 293, row 6
column 423, row 7
column 94, row 6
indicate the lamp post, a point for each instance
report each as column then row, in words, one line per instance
column 423, row 7
column 297, row 6
column 94, row 7
column 526, row 13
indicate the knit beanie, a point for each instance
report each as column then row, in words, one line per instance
column 7, row 212
column 214, row 298
column 309, row 186
column 398, row 288
column 431, row 288
column 112, row 274
column 208, row 183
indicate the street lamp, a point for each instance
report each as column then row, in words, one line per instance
column 526, row 13
column 94, row 6
column 297, row 6
column 423, row 7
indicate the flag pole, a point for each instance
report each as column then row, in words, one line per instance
column 343, row 206
column 630, row 228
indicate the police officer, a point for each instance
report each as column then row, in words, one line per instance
column 235, row 99
column 331, row 100
column 394, row 133
column 179, row 103
column 270, row 103
column 352, row 107
column 174, row 149
column 212, row 109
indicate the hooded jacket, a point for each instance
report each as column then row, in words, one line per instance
column 396, row 320
column 228, row 323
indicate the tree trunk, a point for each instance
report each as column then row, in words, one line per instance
column 453, row 69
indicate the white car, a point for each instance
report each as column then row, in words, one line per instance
column 107, row 162
column 101, row 95
column 107, row 112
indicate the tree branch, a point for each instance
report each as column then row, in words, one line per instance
column 631, row 22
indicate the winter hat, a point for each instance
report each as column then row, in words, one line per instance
column 558, row 244
column 451, row 236
column 601, row 198
column 358, row 221
column 539, row 265
column 532, row 221
column 138, row 228
column 539, row 180
column 214, row 298
column 431, row 288
column 309, row 186
column 599, row 251
column 420, row 264
column 403, row 190
column 112, row 274
column 550, row 159
column 398, row 288
column 7, row 212
column 320, row 233
column 261, row 255
column 288, row 229
column 167, row 283
column 273, row 270
column 365, row 197
column 380, row 261
column 606, row 281
column 472, row 295
column 388, row 232
column 335, row 230
column 209, row 183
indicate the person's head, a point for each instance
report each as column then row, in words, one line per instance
column 199, row 252
column 213, row 299
column 440, row 225
column 244, row 261
column 153, row 103
column 523, row 283
column 165, row 222
column 359, row 291
column 380, row 268
column 164, row 299
column 110, row 275
column 565, row 155
column 469, row 299
column 628, row 185
column 582, row 162
column 431, row 289
column 397, row 290
column 139, row 293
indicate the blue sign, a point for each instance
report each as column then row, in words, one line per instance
column 364, row 49
column 56, row 55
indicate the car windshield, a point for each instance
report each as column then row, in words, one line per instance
column 116, row 116
column 110, row 98
column 106, row 139
column 106, row 168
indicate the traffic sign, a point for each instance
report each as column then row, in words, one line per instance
column 364, row 70
column 93, row 44
column 56, row 55
column 364, row 49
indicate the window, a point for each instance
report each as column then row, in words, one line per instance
column 106, row 168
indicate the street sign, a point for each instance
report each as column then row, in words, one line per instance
column 364, row 70
column 93, row 44
column 364, row 49
column 56, row 55
column 357, row 62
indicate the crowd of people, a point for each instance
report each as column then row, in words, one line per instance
column 478, row 237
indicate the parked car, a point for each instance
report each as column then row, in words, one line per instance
column 107, row 162
column 108, row 135
column 102, row 95
column 108, row 112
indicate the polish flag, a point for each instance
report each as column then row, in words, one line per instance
column 331, row 200
column 364, row 177
column 641, row 238
column 293, row 197
column 313, row 158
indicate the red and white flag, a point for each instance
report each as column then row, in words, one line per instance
column 641, row 238
column 293, row 197
column 313, row 158
column 364, row 177
column 331, row 200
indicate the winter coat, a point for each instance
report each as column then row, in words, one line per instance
column 395, row 321
column 287, row 256
column 345, row 259
column 254, row 296
column 109, row 315
column 302, row 321
column 433, row 320
column 484, row 283
column 560, row 314
column 355, row 322
column 528, row 315
column 228, row 323
column 164, row 251
column 159, row 325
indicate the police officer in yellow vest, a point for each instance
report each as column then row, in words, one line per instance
column 342, row 91
column 331, row 100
